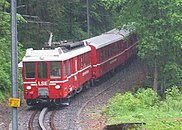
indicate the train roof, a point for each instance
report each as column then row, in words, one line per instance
column 57, row 54
column 107, row 38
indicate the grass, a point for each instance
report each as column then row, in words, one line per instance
column 145, row 106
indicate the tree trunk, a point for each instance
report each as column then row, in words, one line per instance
column 163, row 88
column 155, row 86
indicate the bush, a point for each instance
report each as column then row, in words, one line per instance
column 123, row 103
column 145, row 106
column 173, row 99
column 147, row 97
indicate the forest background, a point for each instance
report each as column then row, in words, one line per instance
column 157, row 23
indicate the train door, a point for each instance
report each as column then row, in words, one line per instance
column 70, row 74
column 64, row 71
column 65, row 80
column 123, row 49
column 74, row 67
column 42, row 79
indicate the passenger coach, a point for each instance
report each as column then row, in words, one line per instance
column 110, row 49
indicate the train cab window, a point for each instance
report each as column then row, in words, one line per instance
column 64, row 68
column 55, row 69
column 29, row 70
column 42, row 70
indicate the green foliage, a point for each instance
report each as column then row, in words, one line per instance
column 148, row 98
column 172, row 73
column 67, row 20
column 158, row 26
column 4, row 5
column 2, row 96
column 146, row 106
column 4, row 76
column 173, row 100
column 5, row 49
column 123, row 103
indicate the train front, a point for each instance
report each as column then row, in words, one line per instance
column 41, row 74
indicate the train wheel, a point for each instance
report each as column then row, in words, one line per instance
column 57, row 102
column 78, row 90
column 112, row 72
column 92, row 82
column 66, row 101
column 31, row 102
column 87, row 85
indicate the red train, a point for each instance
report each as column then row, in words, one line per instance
column 53, row 75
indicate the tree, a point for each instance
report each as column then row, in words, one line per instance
column 67, row 20
column 5, row 48
column 158, row 25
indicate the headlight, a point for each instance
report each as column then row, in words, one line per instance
column 57, row 87
column 29, row 87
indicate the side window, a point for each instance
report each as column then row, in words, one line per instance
column 107, row 53
column 117, row 45
column 29, row 69
column 110, row 51
column 104, row 54
column 115, row 48
column 64, row 68
column 55, row 69
column 69, row 67
column 85, row 60
column 88, row 59
column 83, row 56
column 81, row 62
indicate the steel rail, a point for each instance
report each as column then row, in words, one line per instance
column 52, row 120
column 41, row 117
column 30, row 123
column 86, row 103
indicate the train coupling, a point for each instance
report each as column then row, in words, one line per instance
column 42, row 100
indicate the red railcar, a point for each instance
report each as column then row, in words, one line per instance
column 54, row 75
column 110, row 50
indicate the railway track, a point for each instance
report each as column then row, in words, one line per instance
column 110, row 85
column 79, row 115
column 90, row 100
column 30, row 123
column 41, row 116
column 76, row 116
column 37, row 121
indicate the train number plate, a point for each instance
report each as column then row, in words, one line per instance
column 14, row 102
